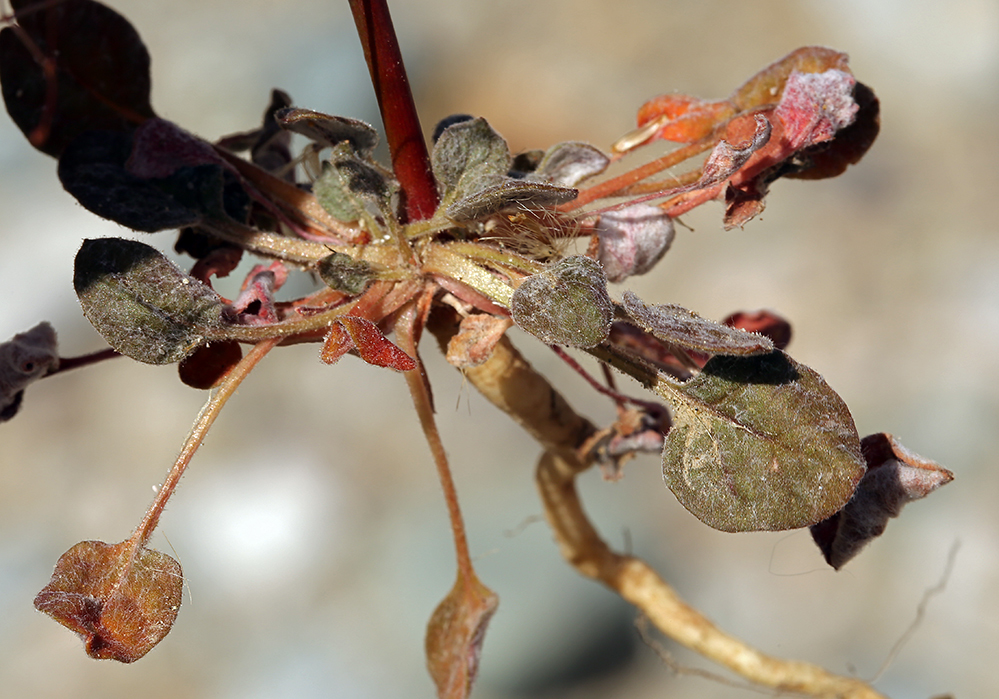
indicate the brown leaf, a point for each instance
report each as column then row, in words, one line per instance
column 120, row 598
column 455, row 634
column 895, row 476
column 351, row 332
column 476, row 339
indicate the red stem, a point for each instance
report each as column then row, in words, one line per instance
column 410, row 159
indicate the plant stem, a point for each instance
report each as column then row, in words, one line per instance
column 410, row 159
column 407, row 330
column 204, row 422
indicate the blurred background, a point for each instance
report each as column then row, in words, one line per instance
column 311, row 527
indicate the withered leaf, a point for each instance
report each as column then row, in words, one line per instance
column 24, row 359
column 143, row 305
column 895, row 477
column 565, row 304
column 122, row 599
column 455, row 634
column 632, row 240
column 351, row 332
column 476, row 339
column 759, row 443
column 329, row 130
column 101, row 72
column 678, row 326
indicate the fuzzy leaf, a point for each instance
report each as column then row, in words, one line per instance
column 350, row 186
column 101, row 70
column 508, row 192
column 568, row 164
column 632, row 240
column 895, row 477
column 678, row 326
column 759, row 443
column 565, row 304
column 455, row 634
column 329, row 130
column 120, row 599
column 468, row 157
column 143, row 305
column 24, row 359
column 344, row 273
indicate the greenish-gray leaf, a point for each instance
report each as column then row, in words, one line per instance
column 143, row 305
column 349, row 186
column 565, row 304
column 344, row 273
column 329, row 130
column 678, row 326
column 507, row 193
column 759, row 443
column 468, row 157
column 567, row 164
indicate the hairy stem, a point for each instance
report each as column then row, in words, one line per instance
column 206, row 417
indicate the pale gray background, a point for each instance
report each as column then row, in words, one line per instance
column 311, row 527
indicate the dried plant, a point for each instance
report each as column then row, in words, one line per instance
column 464, row 241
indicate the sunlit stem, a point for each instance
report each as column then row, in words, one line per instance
column 206, row 418
column 407, row 331
column 410, row 159
column 615, row 185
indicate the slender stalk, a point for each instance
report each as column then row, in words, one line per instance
column 410, row 158
column 407, row 330
column 614, row 185
column 206, row 418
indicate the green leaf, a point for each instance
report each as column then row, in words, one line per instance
column 351, row 187
column 507, row 193
column 565, row 304
column 143, row 305
column 468, row 157
column 344, row 273
column 678, row 326
column 759, row 443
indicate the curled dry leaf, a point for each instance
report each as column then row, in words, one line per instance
column 122, row 599
column 895, row 477
column 327, row 130
column 678, row 326
column 455, row 634
column 759, row 443
column 565, row 304
column 144, row 305
column 24, row 359
column 632, row 240
column 351, row 332
column 476, row 339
